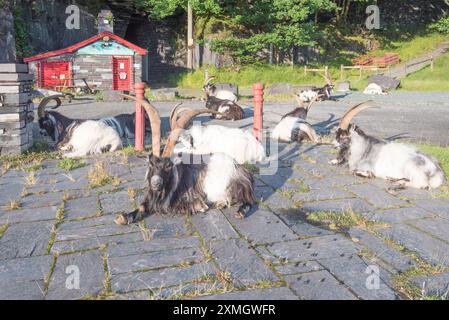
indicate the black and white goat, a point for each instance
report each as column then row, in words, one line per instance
column 211, row 90
column 294, row 127
column 236, row 143
column 227, row 109
column 371, row 157
column 323, row 93
column 177, row 187
column 78, row 138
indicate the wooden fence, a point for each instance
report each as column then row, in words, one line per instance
column 325, row 71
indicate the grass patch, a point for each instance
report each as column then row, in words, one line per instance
column 32, row 158
column 428, row 80
column 13, row 205
column 35, row 167
column 251, row 168
column 340, row 221
column 3, row 229
column 31, row 179
column 99, row 176
column 71, row 164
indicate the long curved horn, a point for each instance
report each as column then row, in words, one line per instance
column 312, row 102
column 174, row 115
column 43, row 104
column 327, row 78
column 353, row 111
column 155, row 121
column 181, row 124
column 308, row 129
column 208, row 80
column 299, row 101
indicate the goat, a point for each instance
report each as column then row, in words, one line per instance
column 55, row 125
column 294, row 127
column 88, row 137
column 370, row 157
column 324, row 93
column 211, row 90
column 236, row 143
column 177, row 187
column 374, row 89
column 228, row 110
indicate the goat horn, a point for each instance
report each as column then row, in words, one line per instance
column 155, row 121
column 327, row 78
column 352, row 112
column 181, row 124
column 208, row 80
column 174, row 114
column 43, row 104
column 310, row 133
column 299, row 101
column 311, row 103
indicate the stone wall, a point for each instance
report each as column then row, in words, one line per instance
column 16, row 109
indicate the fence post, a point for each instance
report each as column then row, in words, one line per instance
column 258, row 110
column 140, row 118
column 341, row 72
column 305, row 71
column 326, row 71
column 431, row 63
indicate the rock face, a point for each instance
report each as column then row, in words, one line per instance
column 386, row 83
column 7, row 40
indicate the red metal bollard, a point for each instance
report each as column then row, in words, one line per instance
column 258, row 110
column 140, row 118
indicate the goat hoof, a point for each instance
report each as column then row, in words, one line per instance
column 239, row 215
column 121, row 220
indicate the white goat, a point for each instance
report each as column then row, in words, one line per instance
column 374, row 89
column 89, row 137
column 371, row 157
column 236, row 143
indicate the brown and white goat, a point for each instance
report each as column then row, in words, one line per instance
column 186, row 188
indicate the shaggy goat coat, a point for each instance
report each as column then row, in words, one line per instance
column 292, row 129
column 100, row 137
column 236, row 143
column 389, row 160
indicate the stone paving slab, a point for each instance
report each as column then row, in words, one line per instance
column 87, row 265
column 281, row 293
column 436, row 286
column 434, row 251
column 320, row 285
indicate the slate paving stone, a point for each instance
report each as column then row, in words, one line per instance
column 262, row 226
column 22, row 290
column 213, row 225
column 382, row 250
column 117, row 202
column 266, row 255
column 280, row 293
column 376, row 197
column 11, row 193
column 330, row 246
column 401, row 215
column 42, row 200
column 322, row 194
column 152, row 245
column 437, row 206
column 412, row 193
column 81, row 208
column 355, row 273
column 25, row 240
column 319, row 285
column 357, row 205
column 25, row 269
column 90, row 222
column 154, row 260
column 437, row 227
column 94, row 231
column 262, row 193
column 235, row 257
column 294, row 219
column 333, row 182
column 434, row 286
column 277, row 201
column 28, row 215
column 434, row 251
column 88, row 265
column 299, row 267
column 274, row 181
column 161, row 226
column 157, row 279
column 95, row 242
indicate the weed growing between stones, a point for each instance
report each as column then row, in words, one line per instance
column 3, row 229
column 13, row 205
column 31, row 179
column 99, row 176
column 71, row 164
